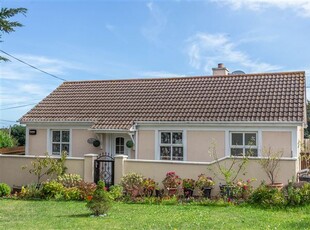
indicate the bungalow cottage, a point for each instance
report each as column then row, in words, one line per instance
column 171, row 120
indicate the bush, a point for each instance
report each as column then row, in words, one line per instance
column 305, row 193
column 6, row 140
column 297, row 194
column 32, row 191
column 132, row 184
column 100, row 202
column 149, row 186
column 51, row 189
column 4, row 189
column 116, row 192
column 267, row 197
column 69, row 180
column 86, row 189
column 72, row 194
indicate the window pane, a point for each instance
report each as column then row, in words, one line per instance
column 56, row 149
column 177, row 153
column 65, row 136
column 65, row 147
column 237, row 151
column 237, row 139
column 165, row 153
column 56, row 136
column 165, row 138
column 251, row 152
column 177, row 138
column 250, row 139
column 121, row 149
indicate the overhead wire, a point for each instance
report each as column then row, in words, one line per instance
column 52, row 75
column 15, row 107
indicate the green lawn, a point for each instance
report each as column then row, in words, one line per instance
column 19, row 214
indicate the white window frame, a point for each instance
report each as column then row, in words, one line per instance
column 171, row 145
column 244, row 146
column 124, row 145
column 60, row 141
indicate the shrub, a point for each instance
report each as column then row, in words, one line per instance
column 132, row 184
column 172, row 180
column 116, row 192
column 86, row 189
column 149, row 186
column 6, row 140
column 51, row 189
column 31, row 191
column 243, row 189
column 72, row 193
column 267, row 197
column 204, row 181
column 48, row 166
column 100, row 202
column 69, row 180
column 4, row 189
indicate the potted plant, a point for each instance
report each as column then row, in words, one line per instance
column 132, row 184
column 172, row 183
column 188, row 187
column 270, row 164
column 205, row 184
column 149, row 186
column 243, row 189
column 229, row 170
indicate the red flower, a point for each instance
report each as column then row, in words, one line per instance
column 89, row 198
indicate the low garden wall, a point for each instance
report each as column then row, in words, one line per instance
column 11, row 171
column 158, row 169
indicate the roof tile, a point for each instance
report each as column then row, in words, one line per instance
column 117, row 104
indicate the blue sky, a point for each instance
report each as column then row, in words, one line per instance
column 85, row 40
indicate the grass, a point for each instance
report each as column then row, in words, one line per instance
column 20, row 214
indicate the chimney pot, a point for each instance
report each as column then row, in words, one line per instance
column 220, row 65
column 220, row 70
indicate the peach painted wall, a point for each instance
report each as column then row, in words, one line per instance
column 278, row 141
column 158, row 169
column 79, row 145
column 199, row 144
column 146, row 144
column 37, row 143
column 11, row 171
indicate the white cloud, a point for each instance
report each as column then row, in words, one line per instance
column 158, row 74
column 156, row 24
column 302, row 7
column 15, row 70
column 206, row 50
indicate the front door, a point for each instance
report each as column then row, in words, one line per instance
column 119, row 145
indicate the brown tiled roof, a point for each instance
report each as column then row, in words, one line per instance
column 117, row 104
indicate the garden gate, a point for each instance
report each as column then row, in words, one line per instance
column 104, row 169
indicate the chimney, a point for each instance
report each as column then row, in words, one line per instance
column 220, row 70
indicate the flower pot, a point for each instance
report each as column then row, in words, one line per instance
column 172, row 191
column 188, row 192
column 158, row 193
column 227, row 191
column 207, row 192
column 278, row 186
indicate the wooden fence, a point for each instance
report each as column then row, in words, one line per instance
column 305, row 154
column 20, row 150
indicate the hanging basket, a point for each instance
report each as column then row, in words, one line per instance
column 129, row 144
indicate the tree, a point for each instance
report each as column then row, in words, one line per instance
column 19, row 133
column 7, row 26
column 6, row 140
